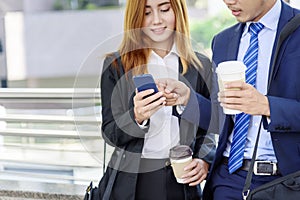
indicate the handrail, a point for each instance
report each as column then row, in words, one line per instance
column 43, row 148
column 49, row 93
column 50, row 133
column 49, row 97
column 13, row 100
column 54, row 107
column 13, row 164
column 95, row 164
column 50, row 119
column 47, row 176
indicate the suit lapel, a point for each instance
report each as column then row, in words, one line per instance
column 233, row 44
column 232, row 54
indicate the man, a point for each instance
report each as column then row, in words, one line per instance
column 270, row 94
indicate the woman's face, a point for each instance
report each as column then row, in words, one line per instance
column 159, row 21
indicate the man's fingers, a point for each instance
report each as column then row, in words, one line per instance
column 234, row 84
column 167, row 83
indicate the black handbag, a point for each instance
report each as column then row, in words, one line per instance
column 94, row 193
column 286, row 187
column 91, row 192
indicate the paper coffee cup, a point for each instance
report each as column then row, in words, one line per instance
column 229, row 71
column 180, row 157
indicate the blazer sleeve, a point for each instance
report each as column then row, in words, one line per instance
column 198, row 109
column 118, row 124
column 284, row 115
column 205, row 145
column 284, row 89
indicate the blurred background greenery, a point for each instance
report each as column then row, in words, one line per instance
column 202, row 31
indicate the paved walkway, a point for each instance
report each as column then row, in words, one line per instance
column 23, row 190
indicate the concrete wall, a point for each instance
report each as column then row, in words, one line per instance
column 37, row 5
column 54, row 44
column 11, row 5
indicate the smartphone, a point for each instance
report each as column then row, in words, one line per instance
column 144, row 82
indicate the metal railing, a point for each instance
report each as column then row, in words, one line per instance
column 47, row 131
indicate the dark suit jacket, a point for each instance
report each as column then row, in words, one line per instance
column 283, row 94
column 119, row 128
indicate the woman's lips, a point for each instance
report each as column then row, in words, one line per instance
column 158, row 30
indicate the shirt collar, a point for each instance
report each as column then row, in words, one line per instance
column 174, row 50
column 269, row 20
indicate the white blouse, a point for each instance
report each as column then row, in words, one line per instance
column 163, row 132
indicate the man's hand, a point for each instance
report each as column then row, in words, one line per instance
column 176, row 92
column 247, row 99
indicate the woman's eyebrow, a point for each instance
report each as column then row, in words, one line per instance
column 161, row 4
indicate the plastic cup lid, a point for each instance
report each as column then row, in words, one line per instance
column 229, row 67
column 180, row 151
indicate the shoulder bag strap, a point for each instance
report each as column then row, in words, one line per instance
column 288, row 29
column 112, row 177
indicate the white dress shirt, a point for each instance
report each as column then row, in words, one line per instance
column 266, row 40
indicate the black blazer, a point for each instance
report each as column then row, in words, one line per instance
column 119, row 128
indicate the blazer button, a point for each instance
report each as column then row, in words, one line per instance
column 167, row 163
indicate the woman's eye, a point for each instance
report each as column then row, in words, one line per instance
column 165, row 10
column 147, row 13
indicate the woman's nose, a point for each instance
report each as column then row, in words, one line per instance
column 157, row 18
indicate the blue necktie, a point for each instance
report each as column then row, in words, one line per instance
column 242, row 120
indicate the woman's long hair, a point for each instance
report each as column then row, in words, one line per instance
column 134, row 49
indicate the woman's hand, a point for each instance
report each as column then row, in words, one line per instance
column 145, row 106
column 197, row 171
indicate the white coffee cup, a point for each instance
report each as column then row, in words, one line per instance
column 229, row 71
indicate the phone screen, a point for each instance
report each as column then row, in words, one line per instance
column 144, row 82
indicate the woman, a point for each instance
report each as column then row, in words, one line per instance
column 156, row 41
